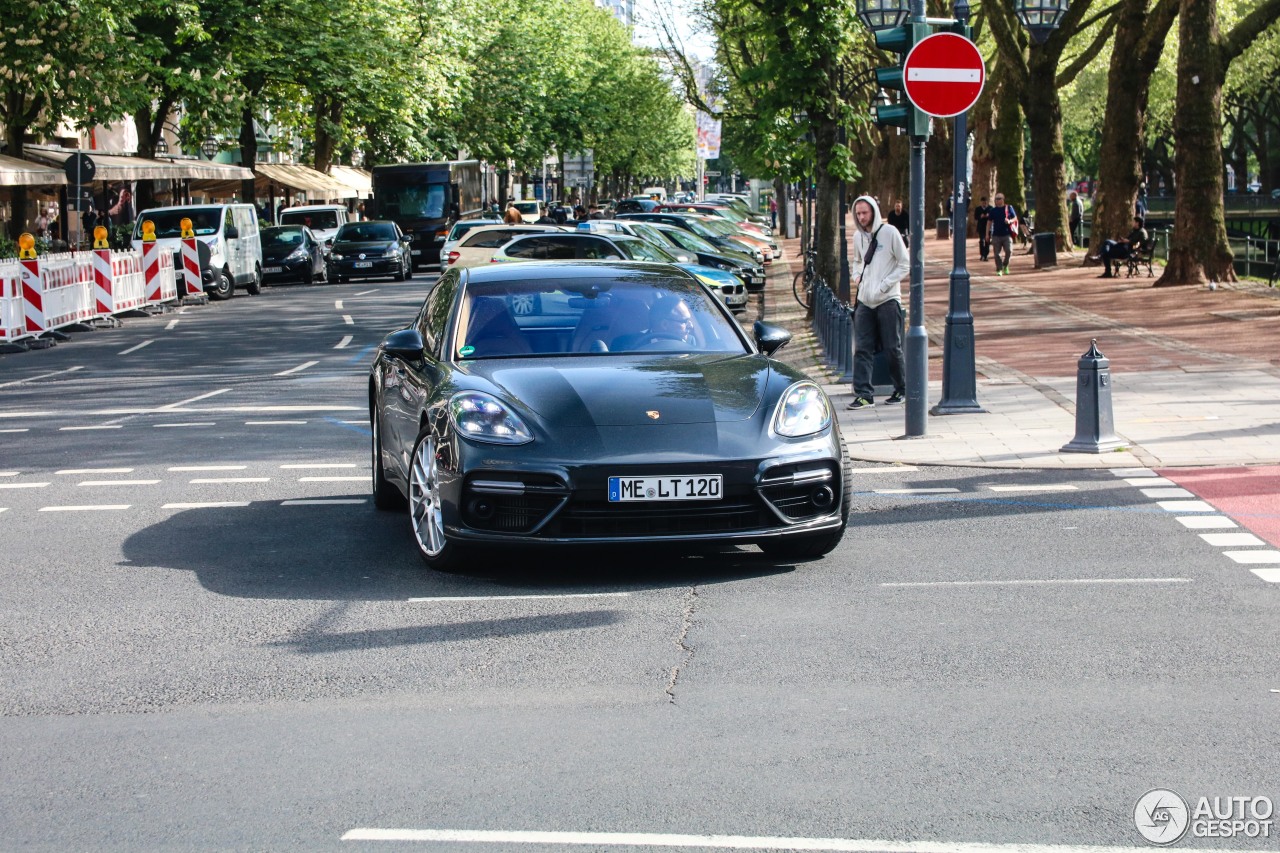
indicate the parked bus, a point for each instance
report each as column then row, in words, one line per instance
column 425, row 199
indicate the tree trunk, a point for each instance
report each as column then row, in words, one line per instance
column 983, row 183
column 1007, row 141
column 1199, row 249
column 328, row 118
column 827, row 210
column 13, row 137
column 248, row 154
column 1048, row 159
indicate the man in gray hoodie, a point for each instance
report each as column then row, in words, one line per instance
column 879, row 262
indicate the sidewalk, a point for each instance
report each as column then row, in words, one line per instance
column 1196, row 372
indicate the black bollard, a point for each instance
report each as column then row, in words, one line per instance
column 1095, row 425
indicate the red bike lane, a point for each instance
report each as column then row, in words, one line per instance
column 1249, row 496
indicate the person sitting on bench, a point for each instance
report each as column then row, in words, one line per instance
column 1119, row 250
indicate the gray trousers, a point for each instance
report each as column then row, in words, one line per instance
column 878, row 328
column 1002, row 244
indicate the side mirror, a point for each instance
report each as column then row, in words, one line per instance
column 408, row 238
column 405, row 344
column 770, row 338
column 232, row 233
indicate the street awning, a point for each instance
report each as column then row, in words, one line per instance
column 126, row 167
column 24, row 173
column 315, row 184
column 358, row 179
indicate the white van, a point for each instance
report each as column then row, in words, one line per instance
column 228, row 231
column 658, row 194
column 324, row 220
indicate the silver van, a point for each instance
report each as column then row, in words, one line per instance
column 228, row 231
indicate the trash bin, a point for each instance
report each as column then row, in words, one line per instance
column 944, row 229
column 1046, row 250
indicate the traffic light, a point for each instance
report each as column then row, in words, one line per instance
column 899, row 40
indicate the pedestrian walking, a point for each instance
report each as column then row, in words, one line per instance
column 981, row 215
column 1002, row 222
column 773, row 212
column 900, row 219
column 880, row 255
column 1075, row 218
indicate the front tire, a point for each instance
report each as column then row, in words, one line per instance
column 385, row 495
column 255, row 287
column 223, row 286
column 426, row 515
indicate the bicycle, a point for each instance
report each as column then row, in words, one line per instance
column 802, row 285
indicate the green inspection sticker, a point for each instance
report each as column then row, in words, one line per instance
column 466, row 351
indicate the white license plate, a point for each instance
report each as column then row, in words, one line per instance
column 672, row 487
column 272, row 269
column 364, row 265
column 415, row 251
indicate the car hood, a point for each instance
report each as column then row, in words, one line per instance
column 276, row 253
column 617, row 390
column 375, row 246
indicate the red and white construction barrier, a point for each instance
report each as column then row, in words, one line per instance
column 191, row 267
column 13, row 321
column 118, row 283
column 67, row 288
column 157, row 274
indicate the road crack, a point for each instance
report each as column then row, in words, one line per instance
column 686, row 651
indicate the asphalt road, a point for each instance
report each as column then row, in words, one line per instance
column 210, row 640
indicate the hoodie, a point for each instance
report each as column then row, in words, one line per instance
column 881, row 279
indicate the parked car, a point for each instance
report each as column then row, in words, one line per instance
column 623, row 407
column 324, row 220
column 228, row 231
column 699, row 226
column 724, row 211
column 734, row 233
column 292, row 253
column 373, row 248
column 459, row 230
column 478, row 246
column 751, row 273
column 636, row 205
column 530, row 211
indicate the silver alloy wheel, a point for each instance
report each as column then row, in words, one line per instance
column 424, row 499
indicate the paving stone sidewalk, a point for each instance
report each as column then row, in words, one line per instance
column 1196, row 371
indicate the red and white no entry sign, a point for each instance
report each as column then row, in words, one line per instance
column 943, row 75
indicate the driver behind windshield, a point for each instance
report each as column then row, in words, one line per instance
column 669, row 320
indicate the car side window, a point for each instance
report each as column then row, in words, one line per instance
column 561, row 248
column 490, row 239
column 534, row 247
column 435, row 312
column 594, row 250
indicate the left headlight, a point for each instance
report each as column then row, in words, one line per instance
column 297, row 254
column 482, row 417
column 803, row 410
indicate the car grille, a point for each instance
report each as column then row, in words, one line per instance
column 510, row 503
column 797, row 491
column 600, row 519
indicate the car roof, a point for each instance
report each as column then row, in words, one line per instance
column 305, row 207
column 577, row 270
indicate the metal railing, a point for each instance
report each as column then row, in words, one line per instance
column 833, row 326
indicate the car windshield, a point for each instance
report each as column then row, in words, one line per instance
column 281, row 237
column 640, row 250
column 412, row 200
column 534, row 318
column 461, row 228
column 689, row 240
column 322, row 219
column 527, row 206
column 204, row 221
column 366, row 232
column 701, row 228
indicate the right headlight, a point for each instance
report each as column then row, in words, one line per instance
column 483, row 417
column 803, row 410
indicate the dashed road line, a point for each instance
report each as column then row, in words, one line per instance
column 207, row 480
column 365, row 292
column 199, row 424
column 19, row 429
column 1040, row 582
column 947, row 491
column 206, row 505
column 337, row 304
column 118, row 483
column 83, row 508
column 1043, row 488
column 346, row 318
column 363, row 479
column 95, row 471
column 186, row 468
column 274, row 423
column 548, row 597
column 322, row 501
column 1270, row 576
column 172, row 323
column 1206, row 522
column 87, row 428
column 136, row 347
column 299, row 368
column 1149, row 481
column 1231, row 540
column 23, row 485
column 342, row 344
column 182, row 403
column 1185, row 506
column 304, row 465
column 42, row 376
column 1171, row 492
column 1254, row 557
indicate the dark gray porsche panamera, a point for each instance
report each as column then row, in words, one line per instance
column 599, row 402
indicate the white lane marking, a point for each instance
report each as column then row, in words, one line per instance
column 1031, row 582
column 83, row 507
column 945, row 75
column 208, row 468
column 718, row 842
column 337, row 304
column 1231, row 540
column 1206, row 522
column 26, row 414
column 548, row 597
column 915, row 491
column 318, row 502
column 1149, row 481
column 84, row 428
column 342, row 344
column 136, row 348
column 1045, row 488
column 1134, row 472
column 95, row 471
column 1185, row 506
column 300, row 367
column 22, row 429
column 4, row 509
column 274, row 423
column 319, row 465
column 205, row 423
column 23, row 485
column 365, row 292
column 231, row 480
column 42, row 376
column 226, row 410
column 118, row 483
column 1174, row 492
column 13, row 473
column 1254, row 556
column 205, row 505
column 172, row 323
column 1270, row 576
column 333, row 479
column 193, row 399
column 346, row 318
column 889, row 469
